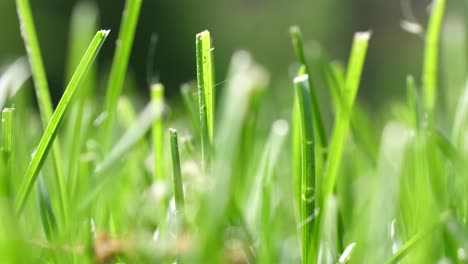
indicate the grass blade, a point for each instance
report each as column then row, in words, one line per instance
column 7, row 150
column 56, row 120
column 353, row 77
column 431, row 51
column 205, row 94
column 319, row 127
column 157, row 132
column 304, row 105
column 176, row 172
column 461, row 115
column 28, row 32
column 119, row 66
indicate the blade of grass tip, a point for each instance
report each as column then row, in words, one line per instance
column 47, row 214
column 431, row 51
column 131, row 137
column 7, row 149
column 191, row 105
column 83, row 25
column 205, row 94
column 307, row 162
column 410, row 244
column 319, row 128
column 353, row 77
column 31, row 41
column 119, row 67
column 176, row 172
column 56, row 120
column 157, row 132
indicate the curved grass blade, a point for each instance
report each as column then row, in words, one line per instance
column 205, row 94
column 304, row 105
column 7, row 150
column 353, row 77
column 28, row 32
column 157, row 133
column 56, row 120
column 431, row 52
column 119, row 67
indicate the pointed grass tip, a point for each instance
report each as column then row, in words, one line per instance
column 301, row 78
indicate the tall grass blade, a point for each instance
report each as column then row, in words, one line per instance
column 31, row 42
column 431, row 52
column 157, row 132
column 308, row 178
column 205, row 94
column 119, row 67
column 319, row 126
column 56, row 120
column 353, row 77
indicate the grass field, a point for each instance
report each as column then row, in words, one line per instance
column 216, row 175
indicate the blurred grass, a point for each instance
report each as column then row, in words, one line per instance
column 391, row 188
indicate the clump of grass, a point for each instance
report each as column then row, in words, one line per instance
column 241, row 194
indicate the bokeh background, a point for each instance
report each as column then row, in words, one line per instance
column 259, row 26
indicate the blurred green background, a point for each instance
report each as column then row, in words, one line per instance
column 259, row 26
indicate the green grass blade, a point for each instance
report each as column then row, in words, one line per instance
column 319, row 126
column 119, row 66
column 205, row 93
column 353, row 77
column 31, row 41
column 304, row 105
column 157, row 132
column 56, row 120
column 431, row 53
column 7, row 150
column 176, row 172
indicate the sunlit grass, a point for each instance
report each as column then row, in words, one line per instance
column 216, row 177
